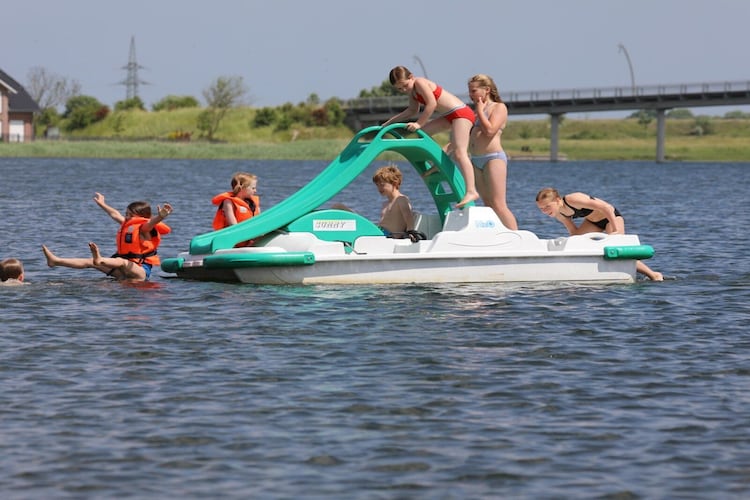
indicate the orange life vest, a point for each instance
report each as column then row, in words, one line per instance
column 134, row 246
column 242, row 209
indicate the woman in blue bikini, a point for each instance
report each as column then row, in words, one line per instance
column 487, row 155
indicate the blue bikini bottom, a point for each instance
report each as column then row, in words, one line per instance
column 480, row 161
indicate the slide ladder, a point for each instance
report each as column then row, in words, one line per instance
column 444, row 182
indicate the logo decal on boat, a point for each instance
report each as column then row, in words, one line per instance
column 484, row 223
column 334, row 225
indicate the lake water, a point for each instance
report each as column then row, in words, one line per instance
column 175, row 389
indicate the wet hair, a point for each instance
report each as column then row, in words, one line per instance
column 11, row 269
column 487, row 81
column 399, row 73
column 390, row 174
column 546, row 194
column 140, row 208
column 241, row 180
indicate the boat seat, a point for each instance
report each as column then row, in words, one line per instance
column 429, row 224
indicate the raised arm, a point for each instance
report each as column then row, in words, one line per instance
column 111, row 211
column 497, row 119
column 161, row 214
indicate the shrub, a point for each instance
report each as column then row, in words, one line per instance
column 179, row 135
column 319, row 117
column 703, row 126
column 132, row 103
column 284, row 123
column 264, row 117
column 680, row 114
column 736, row 115
column 81, row 111
column 335, row 111
column 172, row 102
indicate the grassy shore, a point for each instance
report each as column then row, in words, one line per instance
column 138, row 134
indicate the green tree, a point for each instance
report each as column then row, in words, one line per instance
column 643, row 114
column 264, row 117
column 680, row 114
column 83, row 110
column 703, row 126
column 644, row 118
column 132, row 103
column 223, row 94
column 384, row 90
column 736, row 115
column 172, row 102
column 48, row 117
column 335, row 111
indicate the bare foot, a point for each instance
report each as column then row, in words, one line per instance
column 657, row 276
column 468, row 198
column 51, row 258
column 96, row 257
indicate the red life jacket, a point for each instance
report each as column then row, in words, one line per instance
column 136, row 247
column 242, row 209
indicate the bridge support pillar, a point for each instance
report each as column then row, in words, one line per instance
column 554, row 138
column 661, row 127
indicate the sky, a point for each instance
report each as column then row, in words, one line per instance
column 286, row 50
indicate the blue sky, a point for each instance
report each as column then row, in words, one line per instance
column 286, row 50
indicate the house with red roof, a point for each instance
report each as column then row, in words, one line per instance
column 17, row 110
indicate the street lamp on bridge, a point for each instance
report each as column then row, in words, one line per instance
column 419, row 61
column 630, row 65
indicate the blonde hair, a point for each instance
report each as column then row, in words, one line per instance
column 546, row 194
column 241, row 180
column 487, row 81
column 390, row 174
column 11, row 269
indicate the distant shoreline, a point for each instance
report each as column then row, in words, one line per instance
column 523, row 140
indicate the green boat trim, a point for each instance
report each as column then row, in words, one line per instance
column 172, row 264
column 630, row 252
column 260, row 259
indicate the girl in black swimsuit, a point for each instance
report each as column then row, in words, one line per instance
column 597, row 214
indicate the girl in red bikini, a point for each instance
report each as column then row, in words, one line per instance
column 455, row 116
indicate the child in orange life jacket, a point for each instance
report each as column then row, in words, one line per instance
column 137, row 240
column 239, row 204
column 11, row 272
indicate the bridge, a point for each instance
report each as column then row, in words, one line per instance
column 362, row 112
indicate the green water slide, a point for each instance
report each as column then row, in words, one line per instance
column 444, row 182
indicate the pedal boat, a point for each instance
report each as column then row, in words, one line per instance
column 295, row 242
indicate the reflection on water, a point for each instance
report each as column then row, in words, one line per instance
column 413, row 391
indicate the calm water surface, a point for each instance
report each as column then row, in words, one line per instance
column 181, row 389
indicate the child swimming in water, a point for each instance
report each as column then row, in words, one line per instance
column 137, row 240
column 11, row 272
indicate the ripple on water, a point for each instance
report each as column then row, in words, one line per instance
column 449, row 391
